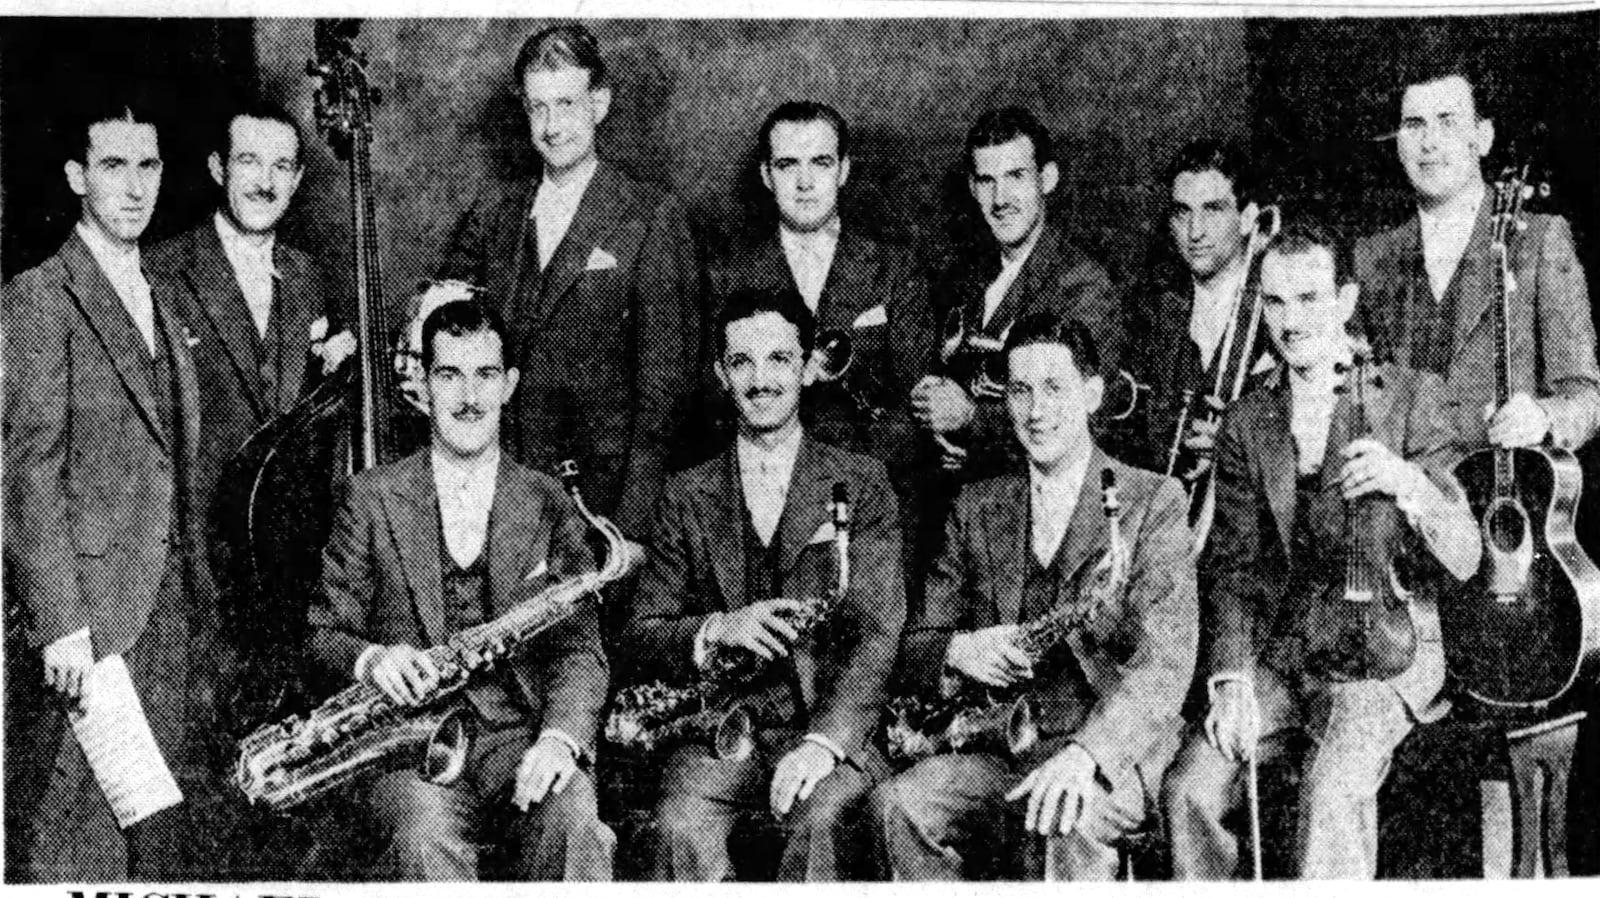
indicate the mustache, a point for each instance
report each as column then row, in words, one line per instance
column 760, row 392
column 468, row 409
column 265, row 194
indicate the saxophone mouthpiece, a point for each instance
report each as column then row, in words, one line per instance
column 841, row 505
column 1108, row 491
column 568, row 472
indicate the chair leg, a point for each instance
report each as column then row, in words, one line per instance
column 1541, row 765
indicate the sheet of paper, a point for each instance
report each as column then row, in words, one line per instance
column 122, row 752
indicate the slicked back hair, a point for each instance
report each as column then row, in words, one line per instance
column 459, row 319
column 570, row 46
column 1003, row 125
column 749, row 303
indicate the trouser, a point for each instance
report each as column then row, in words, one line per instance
column 947, row 819
column 428, row 832
column 1354, row 729
column 704, row 801
column 73, row 835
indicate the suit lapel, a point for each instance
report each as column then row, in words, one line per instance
column 1472, row 287
column 296, row 306
column 805, row 508
column 514, row 522
column 725, row 515
column 412, row 508
column 216, row 289
column 511, row 242
column 597, row 215
column 188, row 410
column 841, row 290
column 1278, row 461
column 104, row 311
column 1087, row 533
column 1005, row 533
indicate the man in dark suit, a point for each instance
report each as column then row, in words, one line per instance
column 445, row 539
column 1182, row 310
column 1287, row 464
column 1032, row 268
column 1108, row 696
column 597, row 275
column 1431, row 284
column 101, row 421
column 868, row 294
column 739, row 542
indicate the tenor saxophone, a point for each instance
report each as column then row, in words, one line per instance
column 964, row 716
column 359, row 731
column 735, row 693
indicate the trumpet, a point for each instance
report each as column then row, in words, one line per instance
column 831, row 360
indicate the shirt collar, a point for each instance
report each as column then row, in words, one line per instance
column 1062, row 484
column 452, row 470
column 575, row 184
column 1224, row 286
column 782, row 454
column 235, row 240
column 109, row 255
column 1454, row 212
column 1316, row 384
column 821, row 241
column 1018, row 259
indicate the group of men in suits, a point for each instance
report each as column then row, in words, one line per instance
column 970, row 452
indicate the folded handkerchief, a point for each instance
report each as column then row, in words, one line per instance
column 873, row 317
column 539, row 570
column 824, row 534
column 600, row 260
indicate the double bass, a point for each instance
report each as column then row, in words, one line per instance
column 1526, row 628
column 275, row 500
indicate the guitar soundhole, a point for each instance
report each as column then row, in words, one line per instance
column 1507, row 526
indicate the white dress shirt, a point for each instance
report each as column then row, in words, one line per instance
column 251, row 258
column 810, row 257
column 121, row 267
column 466, row 494
column 1213, row 308
column 764, row 473
column 555, row 205
column 1312, row 398
column 1446, row 230
column 1010, row 267
column 1052, row 499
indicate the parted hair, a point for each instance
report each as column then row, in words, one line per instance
column 1003, row 125
column 263, row 109
column 750, row 302
column 1225, row 157
column 1050, row 328
column 799, row 111
column 460, row 318
column 570, row 46
column 1302, row 235
column 99, row 110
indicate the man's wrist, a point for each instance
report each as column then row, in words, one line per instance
column 562, row 738
column 1216, row 681
column 364, row 661
column 826, row 743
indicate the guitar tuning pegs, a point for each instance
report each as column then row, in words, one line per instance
column 1527, row 191
column 1521, row 225
column 1544, row 189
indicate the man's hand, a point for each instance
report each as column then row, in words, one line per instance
column 990, row 656
column 1233, row 723
column 941, row 405
column 546, row 769
column 67, row 663
column 1520, row 422
column 405, row 674
column 798, row 774
column 758, row 628
column 334, row 350
column 1371, row 467
column 951, row 456
column 1057, row 791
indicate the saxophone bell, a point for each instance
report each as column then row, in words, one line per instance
column 1022, row 726
column 834, row 351
column 444, row 757
column 734, row 738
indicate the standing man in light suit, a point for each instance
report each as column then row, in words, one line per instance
column 597, row 277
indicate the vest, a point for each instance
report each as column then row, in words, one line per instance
column 467, row 599
column 1429, row 324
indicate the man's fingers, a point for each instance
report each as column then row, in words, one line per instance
column 563, row 776
column 1024, row 787
column 1071, row 812
column 782, row 629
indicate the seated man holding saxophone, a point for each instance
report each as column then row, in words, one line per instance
column 1332, row 501
column 449, row 538
column 770, row 612
column 1056, row 645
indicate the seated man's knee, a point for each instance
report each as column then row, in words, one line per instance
column 1196, row 785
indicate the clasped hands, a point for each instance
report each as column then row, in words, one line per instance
column 942, row 406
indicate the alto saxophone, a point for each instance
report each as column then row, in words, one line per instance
column 360, row 731
column 968, row 716
column 735, row 692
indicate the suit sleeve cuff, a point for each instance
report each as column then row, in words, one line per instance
column 1227, row 676
column 364, row 661
column 702, row 646
column 564, row 738
column 827, row 743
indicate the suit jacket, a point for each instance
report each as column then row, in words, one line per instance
column 1552, row 344
column 867, row 280
column 1057, row 277
column 90, row 474
column 1245, row 571
column 697, row 566
column 1156, row 312
column 1137, row 658
column 382, row 584
column 609, row 346
column 239, row 394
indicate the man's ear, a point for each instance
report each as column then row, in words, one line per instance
column 1052, row 175
column 766, row 176
column 214, row 165
column 1348, row 294
column 1094, row 393
column 844, row 170
column 722, row 375
column 1247, row 219
column 600, row 97
column 513, row 377
column 1483, row 137
column 74, row 170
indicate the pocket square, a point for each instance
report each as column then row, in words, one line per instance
column 539, row 570
column 189, row 339
column 873, row 317
column 824, row 534
column 600, row 260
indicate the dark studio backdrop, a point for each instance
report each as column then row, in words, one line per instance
column 1312, row 97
